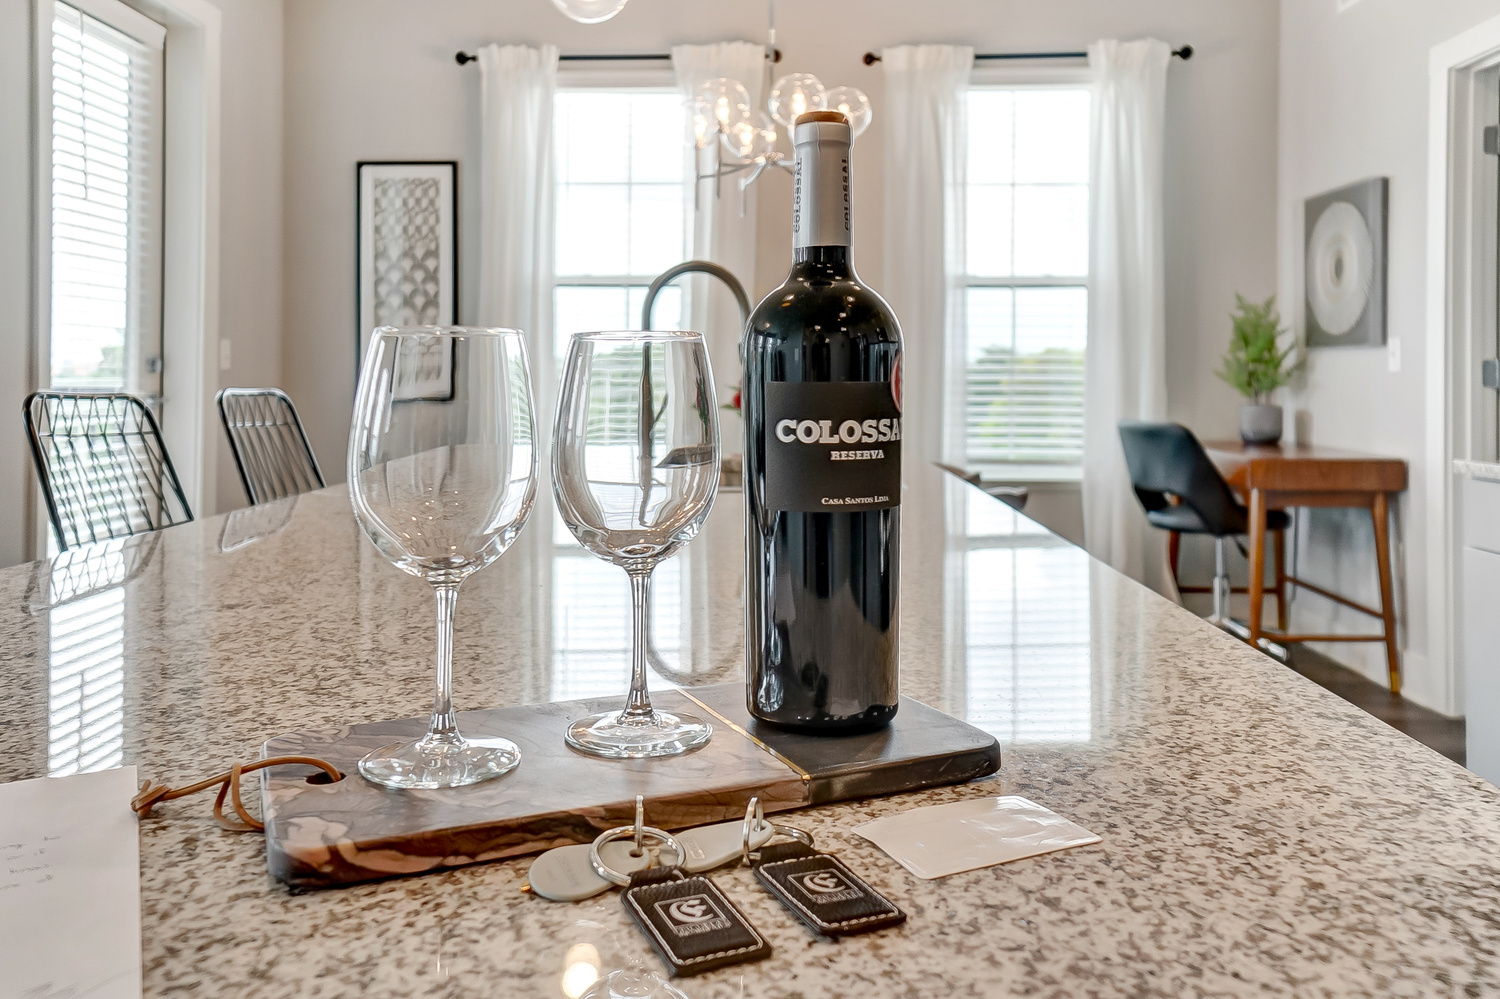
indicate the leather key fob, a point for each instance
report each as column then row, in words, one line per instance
column 691, row 925
column 821, row 892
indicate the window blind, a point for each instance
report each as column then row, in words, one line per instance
column 1026, row 208
column 106, row 195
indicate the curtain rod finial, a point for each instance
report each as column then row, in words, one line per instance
column 463, row 58
column 871, row 58
column 1184, row 53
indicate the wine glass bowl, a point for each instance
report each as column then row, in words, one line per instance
column 635, row 470
column 442, row 477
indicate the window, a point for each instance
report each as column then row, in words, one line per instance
column 622, row 172
column 621, row 199
column 1026, row 295
column 106, row 125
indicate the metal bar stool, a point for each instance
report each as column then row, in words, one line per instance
column 104, row 469
column 270, row 447
column 1183, row 492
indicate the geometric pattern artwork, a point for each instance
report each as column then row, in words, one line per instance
column 408, row 266
column 408, row 251
column 1345, row 261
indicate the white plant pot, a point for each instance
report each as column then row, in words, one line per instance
column 1260, row 424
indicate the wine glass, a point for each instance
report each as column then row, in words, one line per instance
column 635, row 466
column 442, row 476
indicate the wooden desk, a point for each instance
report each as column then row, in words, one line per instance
column 1276, row 476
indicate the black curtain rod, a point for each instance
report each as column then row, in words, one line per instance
column 1186, row 52
column 464, row 58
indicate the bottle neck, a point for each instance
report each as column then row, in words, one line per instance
column 833, row 260
column 820, row 191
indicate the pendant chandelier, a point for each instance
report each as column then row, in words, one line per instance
column 742, row 139
column 590, row 11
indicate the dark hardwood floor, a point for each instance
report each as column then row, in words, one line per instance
column 1439, row 732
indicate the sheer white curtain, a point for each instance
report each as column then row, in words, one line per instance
column 516, row 202
column 1125, row 365
column 722, row 231
column 925, row 90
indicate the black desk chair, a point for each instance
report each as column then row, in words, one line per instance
column 270, row 447
column 1184, row 493
column 104, row 469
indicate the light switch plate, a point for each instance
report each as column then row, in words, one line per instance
column 1393, row 353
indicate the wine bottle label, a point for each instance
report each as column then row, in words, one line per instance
column 832, row 447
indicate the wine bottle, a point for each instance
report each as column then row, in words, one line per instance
column 822, row 410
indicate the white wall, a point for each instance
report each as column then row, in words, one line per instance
column 1354, row 91
column 375, row 79
column 250, row 212
column 250, row 229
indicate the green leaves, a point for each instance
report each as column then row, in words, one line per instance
column 1255, row 363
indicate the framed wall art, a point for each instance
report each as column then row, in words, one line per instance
column 1345, row 259
column 407, row 271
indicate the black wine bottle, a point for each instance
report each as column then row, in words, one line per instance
column 822, row 410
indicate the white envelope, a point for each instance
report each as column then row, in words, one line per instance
column 934, row 841
column 70, row 887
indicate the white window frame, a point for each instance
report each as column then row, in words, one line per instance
column 639, row 79
column 190, row 239
column 1010, row 77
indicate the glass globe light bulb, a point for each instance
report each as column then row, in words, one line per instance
column 728, row 100
column 590, row 11
column 795, row 94
column 701, row 114
column 750, row 139
column 853, row 104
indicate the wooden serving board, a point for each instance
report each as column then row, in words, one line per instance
column 324, row 835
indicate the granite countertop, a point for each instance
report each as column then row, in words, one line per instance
column 1260, row 836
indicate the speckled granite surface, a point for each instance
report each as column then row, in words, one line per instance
column 1260, row 836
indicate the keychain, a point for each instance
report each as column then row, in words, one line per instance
column 819, row 889
column 565, row 874
column 690, row 923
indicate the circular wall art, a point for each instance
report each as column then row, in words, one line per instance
column 1340, row 264
column 1345, row 266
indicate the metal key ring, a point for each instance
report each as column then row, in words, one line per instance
column 790, row 832
column 755, row 817
column 622, row 832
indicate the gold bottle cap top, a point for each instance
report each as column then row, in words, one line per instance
column 811, row 116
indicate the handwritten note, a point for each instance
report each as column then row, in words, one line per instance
column 70, row 888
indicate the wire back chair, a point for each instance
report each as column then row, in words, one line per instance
column 270, row 447
column 104, row 469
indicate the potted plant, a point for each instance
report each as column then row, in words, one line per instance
column 1256, row 364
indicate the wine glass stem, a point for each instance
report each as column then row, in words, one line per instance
column 444, row 726
column 638, row 705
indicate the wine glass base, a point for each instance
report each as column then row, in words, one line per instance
column 615, row 736
column 633, row 983
column 432, row 763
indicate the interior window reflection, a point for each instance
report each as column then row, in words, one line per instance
column 86, row 637
column 1026, row 629
column 591, row 624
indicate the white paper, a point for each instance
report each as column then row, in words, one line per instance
column 935, row 841
column 70, row 888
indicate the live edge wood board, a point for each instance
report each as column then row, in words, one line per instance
column 325, row 835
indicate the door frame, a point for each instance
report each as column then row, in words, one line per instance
column 190, row 240
column 1457, row 256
